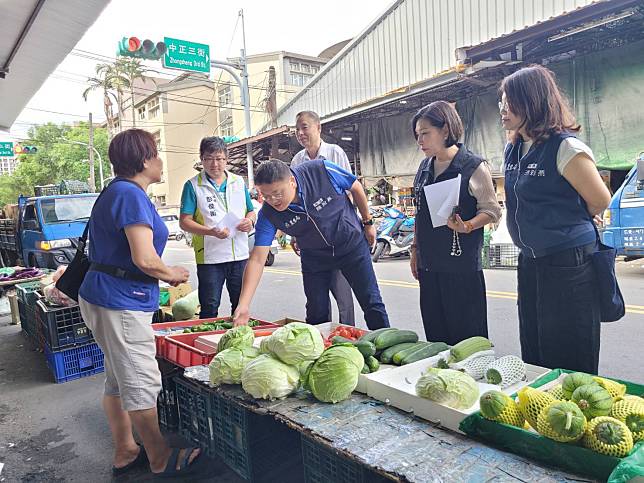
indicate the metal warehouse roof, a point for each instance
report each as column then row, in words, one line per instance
column 411, row 42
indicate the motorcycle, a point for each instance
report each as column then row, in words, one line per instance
column 394, row 235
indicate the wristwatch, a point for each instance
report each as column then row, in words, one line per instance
column 368, row 222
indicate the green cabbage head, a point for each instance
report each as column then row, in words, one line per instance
column 448, row 387
column 294, row 343
column 226, row 367
column 242, row 336
column 334, row 376
column 266, row 377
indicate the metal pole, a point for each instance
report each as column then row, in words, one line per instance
column 100, row 159
column 246, row 95
column 92, row 181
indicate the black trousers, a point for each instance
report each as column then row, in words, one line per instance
column 453, row 305
column 559, row 314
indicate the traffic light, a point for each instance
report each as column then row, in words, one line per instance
column 133, row 47
column 19, row 149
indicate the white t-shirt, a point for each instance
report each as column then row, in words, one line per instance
column 568, row 149
column 330, row 152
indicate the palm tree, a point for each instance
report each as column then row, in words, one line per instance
column 113, row 74
column 104, row 84
column 131, row 70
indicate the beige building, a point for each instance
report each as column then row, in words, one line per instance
column 292, row 72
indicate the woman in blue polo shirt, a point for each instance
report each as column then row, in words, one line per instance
column 118, row 297
column 553, row 191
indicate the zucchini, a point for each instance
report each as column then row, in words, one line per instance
column 338, row 339
column 373, row 364
column 371, row 336
column 365, row 347
column 467, row 347
column 388, row 339
column 365, row 369
column 430, row 350
column 388, row 354
column 400, row 355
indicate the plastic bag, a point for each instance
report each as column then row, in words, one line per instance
column 55, row 296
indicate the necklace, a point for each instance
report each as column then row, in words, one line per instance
column 456, row 245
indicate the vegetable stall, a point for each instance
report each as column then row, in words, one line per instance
column 331, row 403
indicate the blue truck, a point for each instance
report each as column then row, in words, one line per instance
column 624, row 218
column 43, row 231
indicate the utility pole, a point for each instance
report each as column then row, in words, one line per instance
column 90, row 149
column 271, row 108
column 249, row 146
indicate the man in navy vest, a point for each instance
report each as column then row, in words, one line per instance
column 310, row 202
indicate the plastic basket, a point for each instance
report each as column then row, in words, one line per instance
column 180, row 349
column 160, row 330
column 193, row 407
column 324, row 465
column 74, row 363
column 250, row 443
column 167, row 408
column 27, row 318
column 62, row 326
column 27, row 292
column 503, row 255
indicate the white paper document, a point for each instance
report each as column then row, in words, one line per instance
column 230, row 221
column 441, row 199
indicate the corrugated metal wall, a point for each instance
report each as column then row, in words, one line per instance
column 414, row 41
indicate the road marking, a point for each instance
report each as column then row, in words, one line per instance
column 495, row 294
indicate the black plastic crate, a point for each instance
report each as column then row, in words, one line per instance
column 325, row 465
column 27, row 318
column 167, row 408
column 62, row 326
column 193, row 407
column 251, row 444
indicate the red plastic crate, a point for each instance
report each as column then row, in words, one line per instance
column 182, row 324
column 180, row 348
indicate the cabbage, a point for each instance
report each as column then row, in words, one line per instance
column 334, row 375
column 266, row 377
column 227, row 365
column 294, row 343
column 448, row 387
column 242, row 336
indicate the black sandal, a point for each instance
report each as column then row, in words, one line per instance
column 186, row 467
column 140, row 460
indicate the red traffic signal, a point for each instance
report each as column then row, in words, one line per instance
column 146, row 49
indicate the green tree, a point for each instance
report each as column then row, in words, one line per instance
column 58, row 159
column 103, row 82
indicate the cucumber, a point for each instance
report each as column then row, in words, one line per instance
column 388, row 354
column 373, row 364
column 467, row 347
column 430, row 350
column 365, row 347
column 371, row 336
column 365, row 369
column 400, row 355
column 388, row 339
column 338, row 339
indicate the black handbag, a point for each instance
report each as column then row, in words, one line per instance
column 70, row 281
column 611, row 301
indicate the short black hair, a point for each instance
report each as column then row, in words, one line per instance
column 440, row 114
column 212, row 144
column 272, row 171
column 313, row 116
column 129, row 150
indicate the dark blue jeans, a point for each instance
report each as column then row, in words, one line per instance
column 211, row 283
column 559, row 314
column 356, row 266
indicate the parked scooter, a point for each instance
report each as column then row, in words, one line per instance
column 394, row 235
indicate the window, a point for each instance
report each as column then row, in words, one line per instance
column 141, row 111
column 225, row 95
column 153, row 108
column 305, row 68
column 160, row 200
column 295, row 66
column 65, row 210
column 227, row 128
column 297, row 79
column 315, row 69
column 157, row 139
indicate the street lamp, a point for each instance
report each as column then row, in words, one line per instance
column 100, row 160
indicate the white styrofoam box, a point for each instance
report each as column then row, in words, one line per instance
column 208, row 343
column 398, row 388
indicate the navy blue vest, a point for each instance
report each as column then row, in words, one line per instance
column 435, row 244
column 545, row 213
column 328, row 225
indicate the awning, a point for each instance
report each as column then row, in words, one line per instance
column 36, row 36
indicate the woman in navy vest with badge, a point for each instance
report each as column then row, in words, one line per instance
column 553, row 191
column 446, row 260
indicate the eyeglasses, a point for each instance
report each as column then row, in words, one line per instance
column 503, row 107
column 274, row 197
column 209, row 159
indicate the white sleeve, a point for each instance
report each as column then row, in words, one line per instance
column 568, row 149
column 297, row 159
column 340, row 158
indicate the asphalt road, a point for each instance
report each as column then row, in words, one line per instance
column 58, row 432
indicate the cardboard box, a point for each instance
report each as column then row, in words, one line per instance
column 177, row 292
column 13, row 304
column 287, row 321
